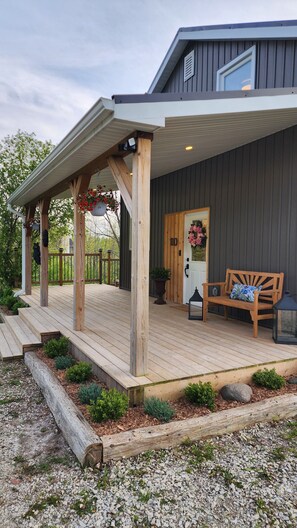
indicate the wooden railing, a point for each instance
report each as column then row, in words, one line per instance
column 105, row 270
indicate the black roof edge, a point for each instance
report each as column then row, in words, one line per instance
column 277, row 23
column 202, row 96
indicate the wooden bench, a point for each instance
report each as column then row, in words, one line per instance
column 271, row 292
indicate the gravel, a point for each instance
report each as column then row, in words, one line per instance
column 246, row 479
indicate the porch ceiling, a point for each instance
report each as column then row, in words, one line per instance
column 211, row 126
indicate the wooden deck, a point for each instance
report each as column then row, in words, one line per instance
column 180, row 350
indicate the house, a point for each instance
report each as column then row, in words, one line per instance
column 214, row 140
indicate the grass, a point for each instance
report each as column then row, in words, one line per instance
column 278, row 454
column 103, row 480
column 86, row 504
column 52, row 500
column 6, row 401
column 227, row 476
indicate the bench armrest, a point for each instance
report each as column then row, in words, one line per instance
column 205, row 288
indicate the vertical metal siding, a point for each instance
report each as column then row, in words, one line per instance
column 252, row 195
column 276, row 64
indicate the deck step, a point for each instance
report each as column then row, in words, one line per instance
column 22, row 334
column 38, row 324
column 9, row 348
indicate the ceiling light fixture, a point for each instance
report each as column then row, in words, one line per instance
column 189, row 147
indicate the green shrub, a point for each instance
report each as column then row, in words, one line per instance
column 201, row 394
column 89, row 393
column 64, row 362
column 4, row 293
column 56, row 347
column 161, row 410
column 79, row 373
column 111, row 405
column 18, row 304
column 268, row 379
column 9, row 301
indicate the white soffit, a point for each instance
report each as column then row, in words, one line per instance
column 210, row 126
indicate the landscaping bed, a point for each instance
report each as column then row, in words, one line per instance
column 136, row 417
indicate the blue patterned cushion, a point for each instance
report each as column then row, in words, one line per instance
column 242, row 292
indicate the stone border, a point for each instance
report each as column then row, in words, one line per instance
column 91, row 449
column 82, row 439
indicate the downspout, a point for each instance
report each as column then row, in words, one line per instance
column 13, row 211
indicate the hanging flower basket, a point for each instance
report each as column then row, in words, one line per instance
column 97, row 201
column 197, row 235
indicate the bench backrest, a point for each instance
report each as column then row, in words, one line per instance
column 268, row 281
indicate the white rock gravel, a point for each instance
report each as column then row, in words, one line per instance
column 250, row 482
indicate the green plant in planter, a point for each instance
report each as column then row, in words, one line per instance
column 64, row 362
column 268, row 379
column 79, row 373
column 201, row 394
column 111, row 405
column 159, row 409
column 56, row 347
column 160, row 276
column 89, row 393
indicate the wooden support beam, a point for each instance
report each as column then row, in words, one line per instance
column 78, row 186
column 140, row 258
column 30, row 212
column 43, row 208
column 123, row 179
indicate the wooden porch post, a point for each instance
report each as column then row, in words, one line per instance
column 43, row 207
column 78, row 186
column 140, row 257
column 30, row 211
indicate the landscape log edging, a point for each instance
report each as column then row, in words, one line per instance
column 82, row 439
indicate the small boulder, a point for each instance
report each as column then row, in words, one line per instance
column 293, row 381
column 237, row 392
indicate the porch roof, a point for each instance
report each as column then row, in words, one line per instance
column 212, row 123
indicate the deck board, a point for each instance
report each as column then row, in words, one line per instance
column 178, row 348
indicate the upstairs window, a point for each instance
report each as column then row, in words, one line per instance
column 189, row 66
column 239, row 74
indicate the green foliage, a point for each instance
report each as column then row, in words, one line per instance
column 160, row 273
column 8, row 299
column 56, row 347
column 64, row 362
column 111, row 405
column 20, row 154
column 201, row 394
column 268, row 379
column 79, row 373
column 89, row 393
column 86, row 504
column 201, row 452
column 159, row 409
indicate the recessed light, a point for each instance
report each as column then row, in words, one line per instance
column 189, row 147
column 131, row 173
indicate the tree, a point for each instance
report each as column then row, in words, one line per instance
column 19, row 156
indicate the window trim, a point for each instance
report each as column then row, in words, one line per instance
column 240, row 60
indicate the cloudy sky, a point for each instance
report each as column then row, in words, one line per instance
column 57, row 57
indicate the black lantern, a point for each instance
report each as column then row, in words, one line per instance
column 195, row 309
column 285, row 320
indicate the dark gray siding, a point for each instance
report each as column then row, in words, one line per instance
column 252, row 195
column 276, row 64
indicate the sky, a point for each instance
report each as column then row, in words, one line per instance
column 58, row 57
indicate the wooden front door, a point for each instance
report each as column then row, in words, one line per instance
column 178, row 254
column 174, row 255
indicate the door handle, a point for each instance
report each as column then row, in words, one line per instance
column 186, row 268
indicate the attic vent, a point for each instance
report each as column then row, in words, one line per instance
column 189, row 66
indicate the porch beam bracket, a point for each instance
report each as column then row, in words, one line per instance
column 30, row 212
column 139, row 331
column 43, row 208
column 77, row 186
column 123, row 179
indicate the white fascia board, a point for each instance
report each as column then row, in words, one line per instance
column 97, row 118
column 183, row 37
column 172, row 109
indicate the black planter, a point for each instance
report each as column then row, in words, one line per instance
column 160, row 290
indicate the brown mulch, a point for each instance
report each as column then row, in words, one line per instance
column 136, row 418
